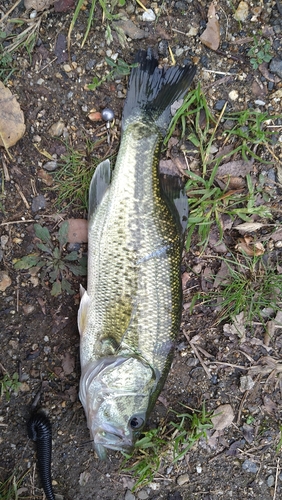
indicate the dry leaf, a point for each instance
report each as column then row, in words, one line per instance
column 237, row 168
column 248, row 433
column 68, row 363
column 223, row 417
column 269, row 406
column 249, row 227
column 211, row 35
column 223, row 275
column 84, row 478
column 277, row 235
column 38, row 5
column 45, row 177
column 237, row 327
column 12, row 126
column 249, row 247
column 278, row 318
column 263, row 68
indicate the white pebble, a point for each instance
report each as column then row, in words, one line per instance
column 149, row 15
column 233, row 95
column 259, row 102
column 242, row 12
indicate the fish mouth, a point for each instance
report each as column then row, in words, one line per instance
column 108, row 436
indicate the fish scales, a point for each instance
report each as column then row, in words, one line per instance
column 130, row 315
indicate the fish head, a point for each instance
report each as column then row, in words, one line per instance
column 116, row 395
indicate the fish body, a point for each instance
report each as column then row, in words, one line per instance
column 130, row 314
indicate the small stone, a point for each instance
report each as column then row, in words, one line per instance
column 193, row 31
column 233, row 95
column 142, row 495
column 95, row 116
column 36, row 138
column 40, row 81
column 258, row 102
column 28, row 309
column 149, row 15
column 129, row 496
column 219, row 105
column 246, row 383
column 179, row 51
column 51, row 165
column 250, row 466
column 270, row 481
column 241, row 12
column 5, row 281
column 67, row 68
column 184, row 478
column 4, row 240
column 90, row 64
column 276, row 66
column 56, row 129
column 38, row 203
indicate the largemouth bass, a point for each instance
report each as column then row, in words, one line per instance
column 130, row 314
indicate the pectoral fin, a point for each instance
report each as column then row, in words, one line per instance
column 174, row 193
column 98, row 186
column 82, row 311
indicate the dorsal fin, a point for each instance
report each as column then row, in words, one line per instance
column 98, row 186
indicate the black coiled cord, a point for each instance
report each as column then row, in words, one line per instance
column 39, row 430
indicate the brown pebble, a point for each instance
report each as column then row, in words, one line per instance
column 5, row 281
column 95, row 116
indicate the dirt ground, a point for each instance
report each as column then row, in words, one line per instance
column 39, row 336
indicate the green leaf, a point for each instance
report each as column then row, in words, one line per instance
column 44, row 248
column 95, row 83
column 110, row 62
column 42, row 233
column 53, row 275
column 71, row 256
column 63, row 233
column 56, row 253
column 56, row 289
column 77, row 270
column 27, row 261
column 67, row 287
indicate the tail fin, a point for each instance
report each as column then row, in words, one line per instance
column 152, row 91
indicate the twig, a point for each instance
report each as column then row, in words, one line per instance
column 220, row 72
column 197, row 354
column 9, row 11
column 8, row 223
column 230, row 364
column 22, row 195
column 18, row 293
column 6, row 171
column 178, row 31
column 46, row 65
column 276, row 478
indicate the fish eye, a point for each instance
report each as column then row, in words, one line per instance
column 136, row 422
